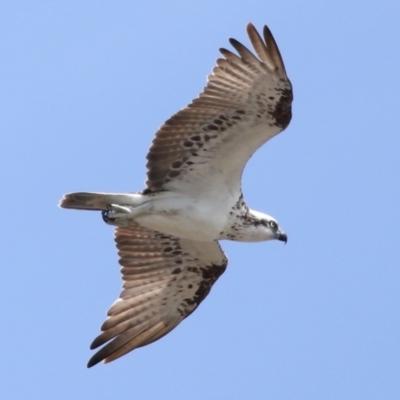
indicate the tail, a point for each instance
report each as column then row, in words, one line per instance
column 93, row 201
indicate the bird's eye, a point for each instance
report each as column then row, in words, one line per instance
column 273, row 224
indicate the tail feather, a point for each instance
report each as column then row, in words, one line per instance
column 93, row 201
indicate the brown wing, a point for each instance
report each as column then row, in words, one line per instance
column 247, row 101
column 165, row 279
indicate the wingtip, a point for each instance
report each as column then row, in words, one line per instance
column 96, row 360
column 266, row 31
column 250, row 28
column 91, row 363
column 274, row 49
column 234, row 42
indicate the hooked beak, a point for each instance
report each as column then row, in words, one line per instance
column 281, row 236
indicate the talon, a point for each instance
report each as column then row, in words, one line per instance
column 104, row 215
column 107, row 215
column 116, row 212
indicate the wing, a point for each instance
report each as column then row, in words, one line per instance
column 165, row 279
column 246, row 102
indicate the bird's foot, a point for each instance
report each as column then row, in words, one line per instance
column 115, row 211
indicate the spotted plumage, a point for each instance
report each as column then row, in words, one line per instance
column 164, row 282
column 167, row 235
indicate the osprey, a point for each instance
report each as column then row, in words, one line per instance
column 167, row 235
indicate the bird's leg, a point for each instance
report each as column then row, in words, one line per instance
column 125, row 213
column 115, row 211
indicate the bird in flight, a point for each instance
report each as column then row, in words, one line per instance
column 167, row 235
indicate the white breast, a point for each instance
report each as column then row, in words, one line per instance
column 189, row 218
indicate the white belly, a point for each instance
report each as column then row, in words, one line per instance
column 193, row 219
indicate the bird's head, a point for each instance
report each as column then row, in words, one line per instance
column 267, row 227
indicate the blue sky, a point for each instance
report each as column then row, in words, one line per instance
column 83, row 88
